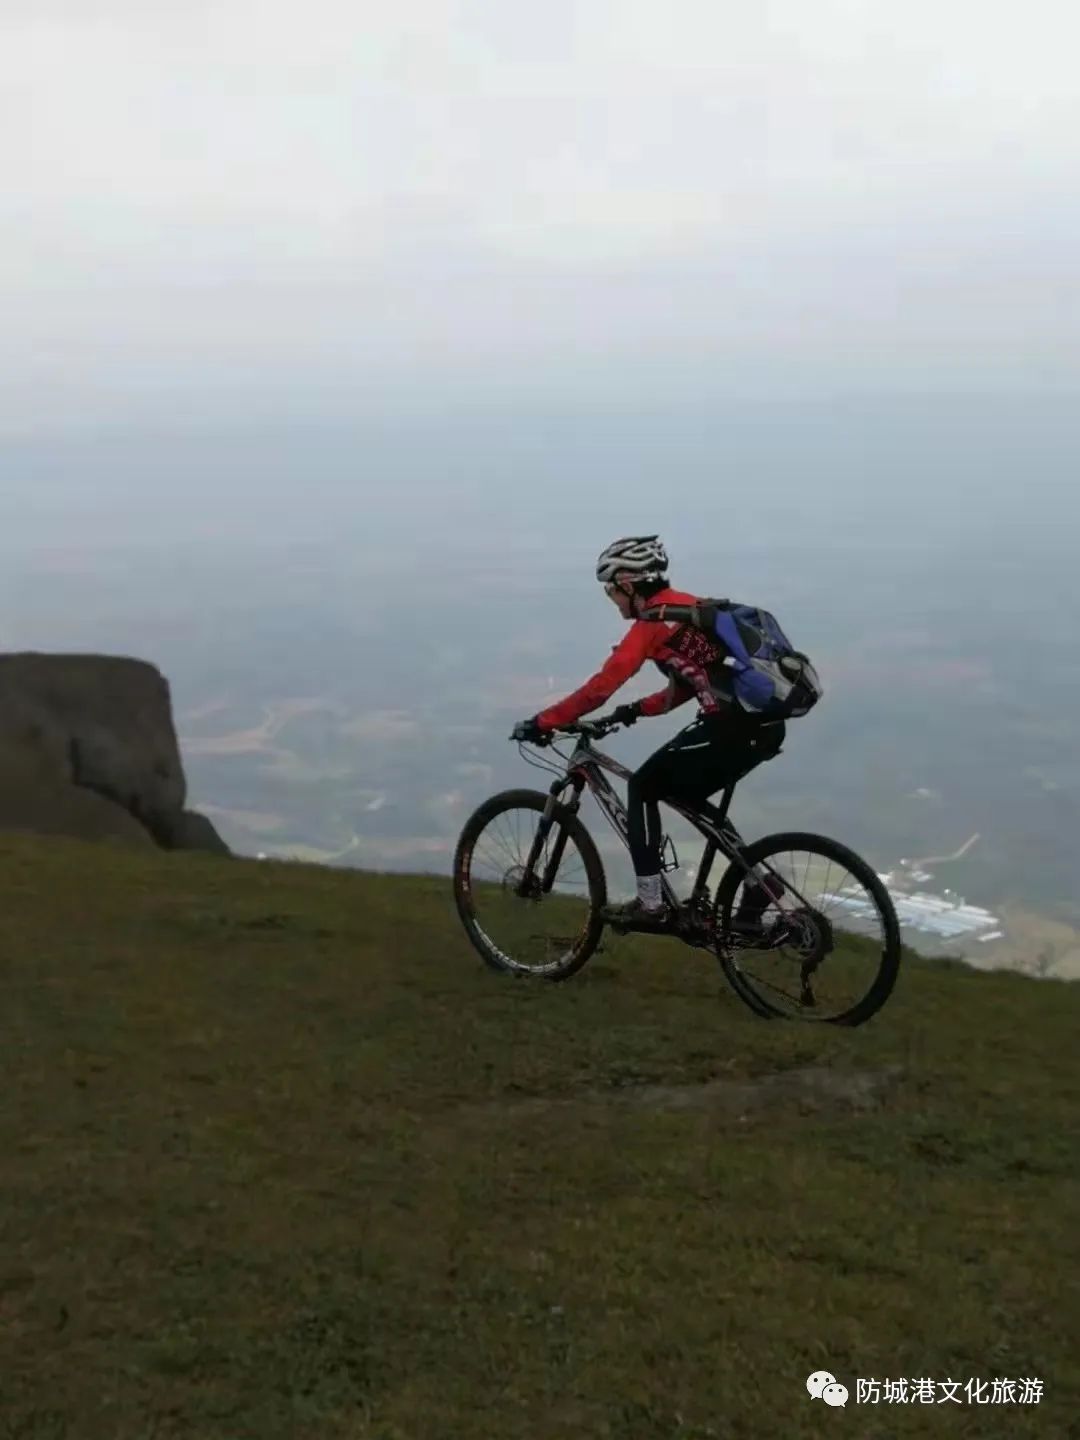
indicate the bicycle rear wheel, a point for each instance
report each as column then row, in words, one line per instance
column 812, row 936
column 544, row 920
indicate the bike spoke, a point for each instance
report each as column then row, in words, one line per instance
column 777, row 990
column 825, row 939
column 528, row 928
column 506, row 842
column 505, row 858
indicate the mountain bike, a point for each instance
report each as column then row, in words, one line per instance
column 802, row 926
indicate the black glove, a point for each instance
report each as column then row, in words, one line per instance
column 529, row 732
column 627, row 714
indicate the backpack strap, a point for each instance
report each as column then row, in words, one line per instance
column 702, row 614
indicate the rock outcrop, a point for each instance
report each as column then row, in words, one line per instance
column 88, row 748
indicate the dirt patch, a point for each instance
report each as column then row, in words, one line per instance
column 807, row 1091
column 814, row 1088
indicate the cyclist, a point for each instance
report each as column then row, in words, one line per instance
column 723, row 744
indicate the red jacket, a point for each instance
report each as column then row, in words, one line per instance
column 682, row 654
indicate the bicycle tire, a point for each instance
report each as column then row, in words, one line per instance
column 589, row 937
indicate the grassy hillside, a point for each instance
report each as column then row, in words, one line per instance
column 280, row 1158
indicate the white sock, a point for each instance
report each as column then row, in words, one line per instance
column 648, row 889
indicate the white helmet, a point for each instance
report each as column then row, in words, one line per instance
column 642, row 557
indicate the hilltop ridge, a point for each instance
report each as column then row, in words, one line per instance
column 283, row 1159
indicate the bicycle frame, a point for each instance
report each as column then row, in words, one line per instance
column 585, row 770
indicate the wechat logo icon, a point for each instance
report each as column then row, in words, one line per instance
column 823, row 1386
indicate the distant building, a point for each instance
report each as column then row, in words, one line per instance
column 927, row 914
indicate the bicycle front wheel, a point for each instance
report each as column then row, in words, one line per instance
column 542, row 918
column 810, row 934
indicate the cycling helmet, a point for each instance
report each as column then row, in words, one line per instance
column 640, row 557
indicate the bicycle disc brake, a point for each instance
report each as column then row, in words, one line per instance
column 525, row 886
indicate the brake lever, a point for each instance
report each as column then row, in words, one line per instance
column 597, row 729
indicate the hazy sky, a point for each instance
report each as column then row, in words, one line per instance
column 224, row 205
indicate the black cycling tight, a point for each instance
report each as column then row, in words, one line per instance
column 707, row 756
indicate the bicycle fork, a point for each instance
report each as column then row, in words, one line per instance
column 526, row 886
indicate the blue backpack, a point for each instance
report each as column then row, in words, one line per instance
column 755, row 661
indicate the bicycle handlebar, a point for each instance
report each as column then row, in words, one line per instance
column 590, row 729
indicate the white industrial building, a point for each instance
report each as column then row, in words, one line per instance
column 949, row 919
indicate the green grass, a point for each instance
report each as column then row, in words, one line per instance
column 281, row 1158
